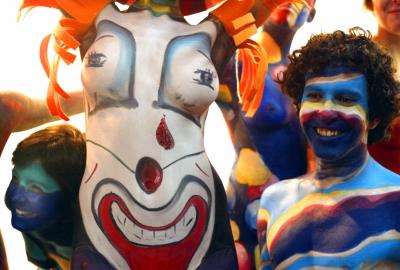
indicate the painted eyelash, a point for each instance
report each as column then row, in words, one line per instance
column 206, row 77
column 94, row 59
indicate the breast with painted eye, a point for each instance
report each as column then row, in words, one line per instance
column 190, row 82
column 109, row 68
column 95, row 59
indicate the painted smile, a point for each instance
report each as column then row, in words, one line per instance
column 327, row 132
column 139, row 234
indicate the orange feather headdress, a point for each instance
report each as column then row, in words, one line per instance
column 239, row 17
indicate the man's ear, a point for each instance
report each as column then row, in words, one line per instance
column 374, row 123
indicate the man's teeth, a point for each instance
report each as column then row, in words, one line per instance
column 325, row 132
column 22, row 212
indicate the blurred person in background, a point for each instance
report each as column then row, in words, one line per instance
column 387, row 13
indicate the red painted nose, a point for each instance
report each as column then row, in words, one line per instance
column 149, row 174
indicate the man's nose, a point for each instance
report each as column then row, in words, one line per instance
column 327, row 116
column 328, row 104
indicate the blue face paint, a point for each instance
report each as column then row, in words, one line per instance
column 333, row 114
column 34, row 199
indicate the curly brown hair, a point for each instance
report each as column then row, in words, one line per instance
column 355, row 51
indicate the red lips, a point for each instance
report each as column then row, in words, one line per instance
column 170, row 256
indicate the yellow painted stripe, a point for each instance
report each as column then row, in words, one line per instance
column 332, row 79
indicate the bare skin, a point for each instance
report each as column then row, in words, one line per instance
column 20, row 112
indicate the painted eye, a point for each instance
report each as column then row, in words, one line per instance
column 95, row 59
column 346, row 100
column 314, row 96
column 35, row 189
column 206, row 77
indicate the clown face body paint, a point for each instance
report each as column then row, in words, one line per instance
column 149, row 190
column 34, row 198
column 334, row 117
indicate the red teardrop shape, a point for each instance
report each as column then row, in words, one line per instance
column 164, row 137
column 149, row 174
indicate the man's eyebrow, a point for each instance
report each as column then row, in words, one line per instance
column 104, row 36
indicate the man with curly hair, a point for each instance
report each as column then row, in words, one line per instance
column 345, row 215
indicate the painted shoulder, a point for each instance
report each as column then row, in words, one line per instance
column 375, row 175
column 285, row 193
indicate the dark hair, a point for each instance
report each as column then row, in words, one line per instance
column 355, row 51
column 61, row 150
column 368, row 4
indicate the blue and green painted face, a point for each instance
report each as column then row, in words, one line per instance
column 34, row 198
column 333, row 113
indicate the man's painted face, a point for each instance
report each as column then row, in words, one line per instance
column 388, row 14
column 34, row 198
column 333, row 113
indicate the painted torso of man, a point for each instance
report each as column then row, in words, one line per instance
column 148, row 192
column 346, row 214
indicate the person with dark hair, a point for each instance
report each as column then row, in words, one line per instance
column 42, row 195
column 387, row 13
column 345, row 215
column 20, row 112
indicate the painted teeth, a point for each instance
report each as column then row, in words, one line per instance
column 22, row 212
column 325, row 132
column 141, row 236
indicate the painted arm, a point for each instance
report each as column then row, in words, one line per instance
column 20, row 112
column 278, row 31
column 262, row 226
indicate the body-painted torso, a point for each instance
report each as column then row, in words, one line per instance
column 270, row 141
column 345, row 214
column 148, row 194
column 353, row 224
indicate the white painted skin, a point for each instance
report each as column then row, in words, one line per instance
column 130, row 133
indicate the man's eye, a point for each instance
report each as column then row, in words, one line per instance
column 205, row 78
column 95, row 59
column 346, row 100
column 35, row 188
column 314, row 96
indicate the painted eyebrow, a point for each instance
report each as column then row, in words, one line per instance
column 205, row 55
column 104, row 36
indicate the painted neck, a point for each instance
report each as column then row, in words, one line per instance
column 343, row 168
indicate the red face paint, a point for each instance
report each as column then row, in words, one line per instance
column 164, row 137
column 149, row 174
column 170, row 256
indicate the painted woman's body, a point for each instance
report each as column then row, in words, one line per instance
column 149, row 190
column 271, row 140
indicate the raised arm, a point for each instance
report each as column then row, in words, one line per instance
column 20, row 112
